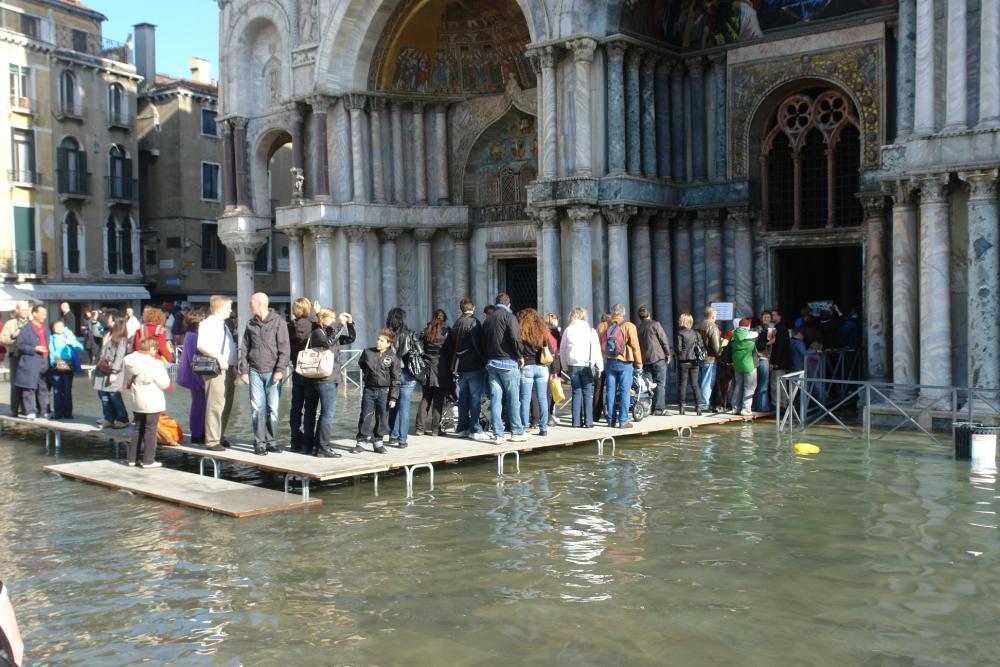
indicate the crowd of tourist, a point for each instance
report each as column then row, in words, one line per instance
column 516, row 361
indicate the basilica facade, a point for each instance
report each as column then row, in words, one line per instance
column 674, row 154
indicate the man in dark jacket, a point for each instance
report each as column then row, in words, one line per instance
column 33, row 369
column 501, row 342
column 655, row 348
column 264, row 354
column 464, row 345
column 8, row 338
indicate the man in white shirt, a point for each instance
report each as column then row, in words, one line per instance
column 132, row 323
column 216, row 341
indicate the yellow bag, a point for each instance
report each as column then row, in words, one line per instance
column 556, row 389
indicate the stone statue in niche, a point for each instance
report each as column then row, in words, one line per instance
column 308, row 16
column 272, row 81
column 298, row 183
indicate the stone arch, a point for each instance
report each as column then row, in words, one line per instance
column 352, row 31
column 591, row 17
column 266, row 141
column 261, row 30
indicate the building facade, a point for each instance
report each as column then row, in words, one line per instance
column 180, row 181
column 70, row 213
column 633, row 151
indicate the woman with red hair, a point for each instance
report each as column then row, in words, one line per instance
column 152, row 326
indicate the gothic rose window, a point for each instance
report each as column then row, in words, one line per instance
column 810, row 160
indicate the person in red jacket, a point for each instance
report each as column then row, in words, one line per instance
column 152, row 326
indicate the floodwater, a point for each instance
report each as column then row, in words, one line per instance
column 724, row 548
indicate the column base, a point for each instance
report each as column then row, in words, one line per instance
column 950, row 129
column 988, row 123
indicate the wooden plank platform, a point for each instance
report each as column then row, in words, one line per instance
column 186, row 489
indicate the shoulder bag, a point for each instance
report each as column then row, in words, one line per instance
column 545, row 357
column 315, row 364
column 206, row 366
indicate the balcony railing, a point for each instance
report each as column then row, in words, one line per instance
column 22, row 262
column 73, row 183
column 120, row 118
column 24, row 177
column 71, row 109
column 22, row 103
column 121, row 189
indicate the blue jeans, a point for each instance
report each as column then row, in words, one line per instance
column 582, row 380
column 113, row 406
column 617, row 383
column 762, row 401
column 505, row 393
column 327, row 393
column 535, row 377
column 707, row 383
column 264, row 396
column 62, row 394
column 399, row 416
column 470, row 400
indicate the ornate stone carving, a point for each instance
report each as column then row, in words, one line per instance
column 901, row 191
column 304, row 56
column 356, row 233
column 548, row 56
column 634, row 57
column 650, row 62
column 856, row 69
column 581, row 214
column 583, row 49
column 459, row 234
column 390, row 234
column 239, row 123
column 738, row 216
column 696, row 66
column 982, row 184
column 298, row 181
column 424, row 234
column 376, row 104
column 934, row 189
column 308, row 18
column 355, row 101
column 618, row 214
column 319, row 104
column 873, row 204
column 707, row 215
column 545, row 217
column 322, row 234
column 616, row 50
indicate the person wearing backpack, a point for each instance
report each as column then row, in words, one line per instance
column 622, row 357
column 711, row 341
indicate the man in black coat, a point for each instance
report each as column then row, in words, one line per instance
column 655, row 347
column 464, row 348
column 501, row 342
column 33, row 369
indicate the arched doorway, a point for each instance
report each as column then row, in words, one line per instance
column 274, row 184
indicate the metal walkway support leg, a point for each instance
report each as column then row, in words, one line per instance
column 215, row 468
column 409, row 476
column 500, row 459
column 683, row 429
column 305, row 484
column 376, row 484
column 600, row 445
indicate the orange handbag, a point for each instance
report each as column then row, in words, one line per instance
column 168, row 431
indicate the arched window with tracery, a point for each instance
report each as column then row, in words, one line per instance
column 810, row 161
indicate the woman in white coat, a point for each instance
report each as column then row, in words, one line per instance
column 146, row 377
column 580, row 352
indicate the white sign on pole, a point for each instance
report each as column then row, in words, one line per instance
column 723, row 311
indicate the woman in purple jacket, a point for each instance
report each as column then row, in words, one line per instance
column 189, row 379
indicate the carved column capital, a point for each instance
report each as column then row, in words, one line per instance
column 717, row 59
column 227, row 127
column 545, row 217
column 355, row 101
column 901, row 191
column 583, row 49
column 665, row 218
column 356, row 233
column 581, row 214
column 616, row 50
column 934, row 189
column 320, row 104
column 294, row 233
column 738, row 216
column 677, row 69
column 548, row 57
column 618, row 214
column 650, row 62
column 873, row 204
column 239, row 123
column 696, row 66
column 459, row 234
column 707, row 215
column 322, row 234
column 390, row 234
column 424, row 234
column 376, row 104
column 634, row 56
column 417, row 107
column 982, row 183
column 643, row 217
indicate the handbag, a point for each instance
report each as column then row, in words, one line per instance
column 168, row 431
column 104, row 366
column 204, row 365
column 62, row 365
column 315, row 364
column 545, row 357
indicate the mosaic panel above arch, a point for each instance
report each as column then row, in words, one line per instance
column 859, row 70
column 452, row 46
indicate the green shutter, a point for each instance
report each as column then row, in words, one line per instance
column 24, row 229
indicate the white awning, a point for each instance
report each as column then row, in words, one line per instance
column 76, row 292
column 10, row 295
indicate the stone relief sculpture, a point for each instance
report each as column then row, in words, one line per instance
column 308, row 17
column 272, row 81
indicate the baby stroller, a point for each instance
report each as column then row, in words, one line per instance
column 640, row 397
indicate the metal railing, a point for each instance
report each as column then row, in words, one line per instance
column 803, row 402
column 73, row 182
column 24, row 262
column 24, row 176
column 22, row 103
column 72, row 109
column 121, row 189
column 120, row 118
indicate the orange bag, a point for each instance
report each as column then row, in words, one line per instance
column 168, row 431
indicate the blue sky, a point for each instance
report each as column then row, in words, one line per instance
column 184, row 28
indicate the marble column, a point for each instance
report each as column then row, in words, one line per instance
column 924, row 99
column 641, row 263
column 244, row 248
column 356, row 105
column 376, row 106
column 424, row 237
column 419, row 154
column 682, row 265
column 663, row 292
column 398, row 173
column 663, row 117
column 242, row 169
column 228, row 165
column 935, row 283
column 550, row 261
column 678, row 131
column 617, row 217
column 633, row 117
column 729, row 257
column 548, row 58
column 581, row 266
column 696, row 72
column 441, row 136
column 323, row 243
column 460, row 238
column 298, row 141
column 989, row 64
column 616, row 106
column 390, row 268
column 984, row 278
column 699, row 287
column 743, row 263
column 321, row 179
column 296, row 264
column 583, row 57
column 906, row 53
column 956, row 112
column 709, row 219
column 719, row 78
column 905, row 304
column 876, row 283
column 358, row 303
column 649, row 115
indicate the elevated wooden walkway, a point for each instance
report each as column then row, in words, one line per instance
column 183, row 488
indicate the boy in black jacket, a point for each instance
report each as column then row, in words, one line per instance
column 382, row 374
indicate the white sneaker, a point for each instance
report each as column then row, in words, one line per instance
column 516, row 437
column 154, row 464
column 481, row 437
column 499, row 439
column 30, row 416
column 461, row 434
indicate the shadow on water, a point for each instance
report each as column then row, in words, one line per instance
column 721, row 548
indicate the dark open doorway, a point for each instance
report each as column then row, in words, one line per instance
column 519, row 279
column 818, row 274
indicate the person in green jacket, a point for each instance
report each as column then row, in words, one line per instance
column 744, row 368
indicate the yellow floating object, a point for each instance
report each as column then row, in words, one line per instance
column 805, row 448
